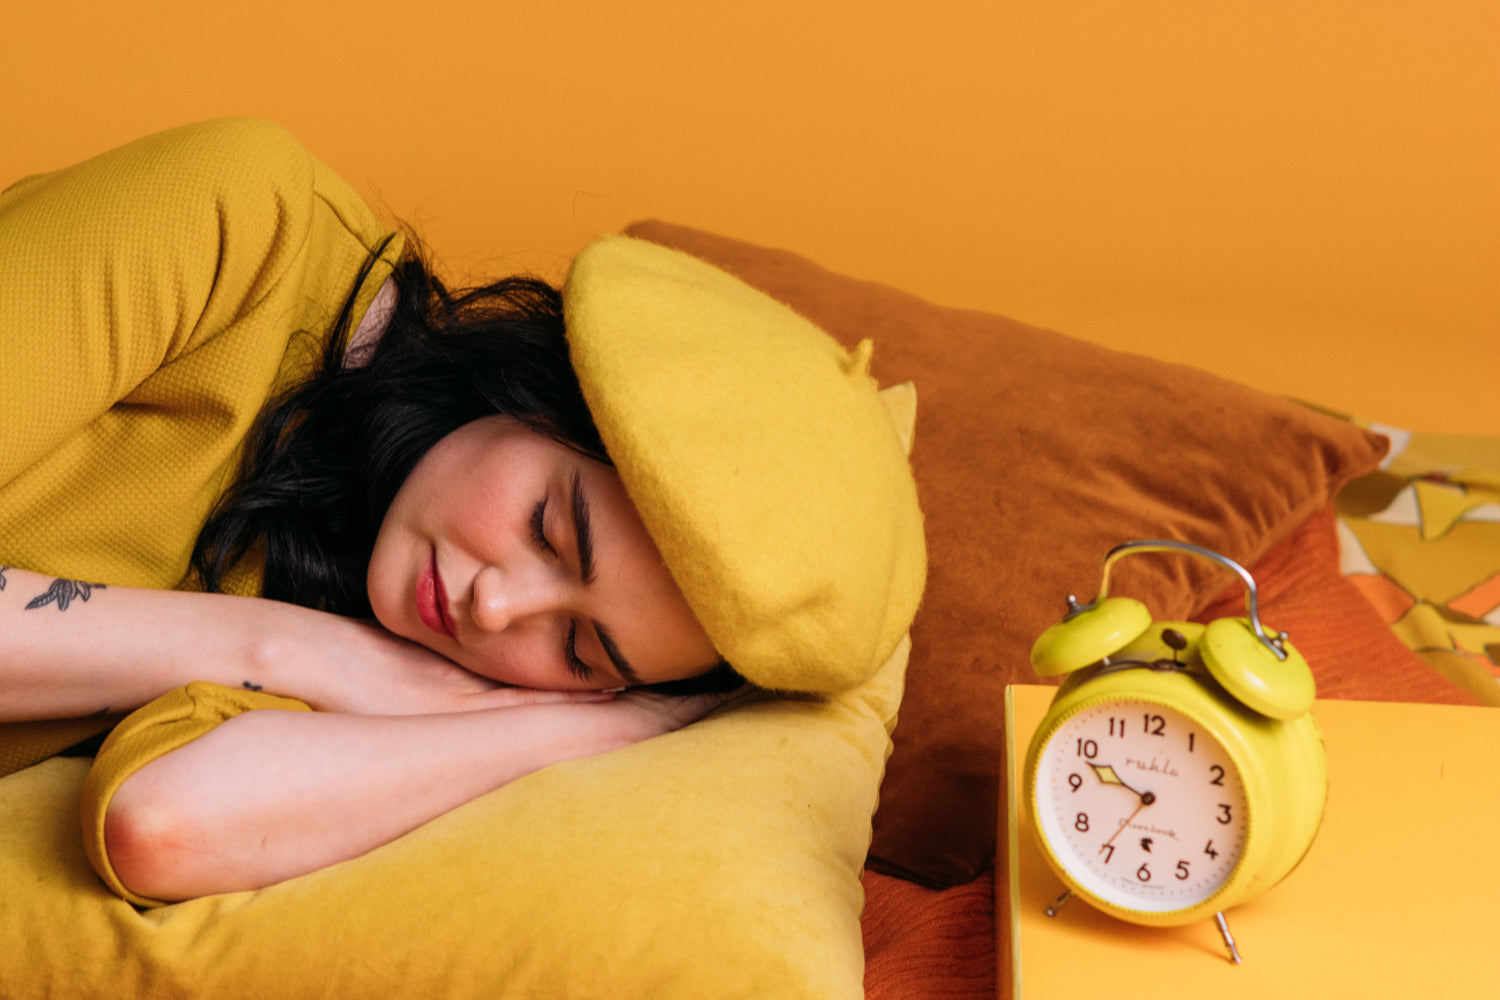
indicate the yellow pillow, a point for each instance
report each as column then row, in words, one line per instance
column 719, row 861
column 760, row 458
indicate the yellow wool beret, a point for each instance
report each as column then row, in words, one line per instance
column 760, row 458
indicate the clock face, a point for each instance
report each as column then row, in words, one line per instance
column 1141, row 806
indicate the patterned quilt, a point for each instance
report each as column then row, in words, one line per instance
column 1420, row 537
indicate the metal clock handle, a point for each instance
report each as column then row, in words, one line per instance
column 1252, row 595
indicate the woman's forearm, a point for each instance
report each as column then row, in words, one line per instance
column 72, row 648
column 68, row 648
column 270, row 794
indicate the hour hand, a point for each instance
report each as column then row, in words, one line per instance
column 1106, row 774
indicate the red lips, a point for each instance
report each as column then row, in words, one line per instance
column 432, row 599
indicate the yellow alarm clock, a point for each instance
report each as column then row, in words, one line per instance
column 1178, row 771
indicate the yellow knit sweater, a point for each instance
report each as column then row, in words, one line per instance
column 151, row 300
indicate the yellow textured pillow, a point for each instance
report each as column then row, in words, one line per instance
column 760, row 458
column 719, row 861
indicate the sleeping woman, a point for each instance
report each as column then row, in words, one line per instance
column 357, row 533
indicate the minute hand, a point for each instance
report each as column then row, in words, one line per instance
column 1146, row 800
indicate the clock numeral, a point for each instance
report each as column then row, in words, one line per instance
column 1192, row 737
column 1108, row 850
column 1081, row 823
column 1209, row 850
column 1155, row 725
column 1116, row 726
column 1088, row 748
column 1075, row 781
column 1225, row 816
column 1182, row 871
column 1218, row 775
column 1143, row 873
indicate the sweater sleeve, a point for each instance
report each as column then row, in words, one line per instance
column 171, row 721
column 151, row 300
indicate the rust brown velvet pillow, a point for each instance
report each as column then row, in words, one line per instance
column 1035, row 454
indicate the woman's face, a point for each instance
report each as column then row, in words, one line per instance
column 525, row 562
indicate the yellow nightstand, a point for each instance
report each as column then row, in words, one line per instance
column 1397, row 897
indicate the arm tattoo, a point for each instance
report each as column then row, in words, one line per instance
column 2, row 576
column 62, row 593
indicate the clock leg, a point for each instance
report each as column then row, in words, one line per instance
column 1057, row 904
column 1234, row 953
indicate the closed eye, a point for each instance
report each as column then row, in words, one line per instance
column 538, row 525
column 539, row 528
column 576, row 666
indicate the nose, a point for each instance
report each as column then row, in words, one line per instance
column 505, row 596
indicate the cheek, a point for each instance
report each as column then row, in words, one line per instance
column 478, row 507
column 525, row 658
column 452, row 478
column 380, row 580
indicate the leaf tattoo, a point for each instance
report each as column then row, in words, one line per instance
column 62, row 593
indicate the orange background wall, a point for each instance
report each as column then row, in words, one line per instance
column 1253, row 188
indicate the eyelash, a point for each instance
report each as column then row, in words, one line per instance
column 576, row 667
column 538, row 527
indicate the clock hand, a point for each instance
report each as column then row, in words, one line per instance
column 1107, row 775
column 1146, row 799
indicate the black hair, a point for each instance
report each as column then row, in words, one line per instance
column 324, row 460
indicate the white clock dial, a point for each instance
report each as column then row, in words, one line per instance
column 1141, row 806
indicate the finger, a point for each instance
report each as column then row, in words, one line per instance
column 533, row 696
column 689, row 709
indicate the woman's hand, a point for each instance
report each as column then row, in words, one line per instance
column 360, row 668
column 638, row 714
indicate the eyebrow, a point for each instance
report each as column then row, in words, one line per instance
column 583, row 539
column 622, row 665
column 583, row 535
